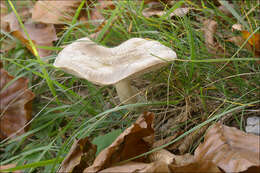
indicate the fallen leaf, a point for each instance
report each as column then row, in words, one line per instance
column 54, row 12
column 15, row 105
column 129, row 144
column 13, row 23
column 182, row 163
column 2, row 167
column 196, row 167
column 81, row 155
column 210, row 28
column 254, row 41
column 229, row 148
column 41, row 34
column 253, row 44
column 135, row 167
column 3, row 13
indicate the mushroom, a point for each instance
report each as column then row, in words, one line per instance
column 118, row 66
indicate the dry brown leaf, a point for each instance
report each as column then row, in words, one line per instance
column 130, row 167
column 135, row 167
column 81, row 155
column 229, row 148
column 54, row 12
column 182, row 163
column 15, row 105
column 13, row 23
column 129, row 144
column 196, row 167
column 2, row 167
column 41, row 34
column 3, row 13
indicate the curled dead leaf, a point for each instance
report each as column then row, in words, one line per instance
column 15, row 105
column 229, row 148
column 81, row 155
column 129, row 144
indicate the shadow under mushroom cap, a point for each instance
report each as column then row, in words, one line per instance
column 104, row 66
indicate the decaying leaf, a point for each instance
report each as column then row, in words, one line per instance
column 13, row 23
column 253, row 44
column 15, row 105
column 2, row 167
column 195, row 167
column 130, row 143
column 229, row 148
column 41, row 34
column 135, row 167
column 81, row 155
column 210, row 28
column 3, row 13
column 254, row 41
column 54, row 12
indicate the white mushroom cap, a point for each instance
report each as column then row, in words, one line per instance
column 105, row 66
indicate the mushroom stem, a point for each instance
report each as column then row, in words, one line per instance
column 127, row 93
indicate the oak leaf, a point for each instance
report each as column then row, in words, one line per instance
column 15, row 105
column 132, row 142
column 81, row 155
column 229, row 148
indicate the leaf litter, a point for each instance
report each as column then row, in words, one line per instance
column 124, row 147
column 15, row 105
